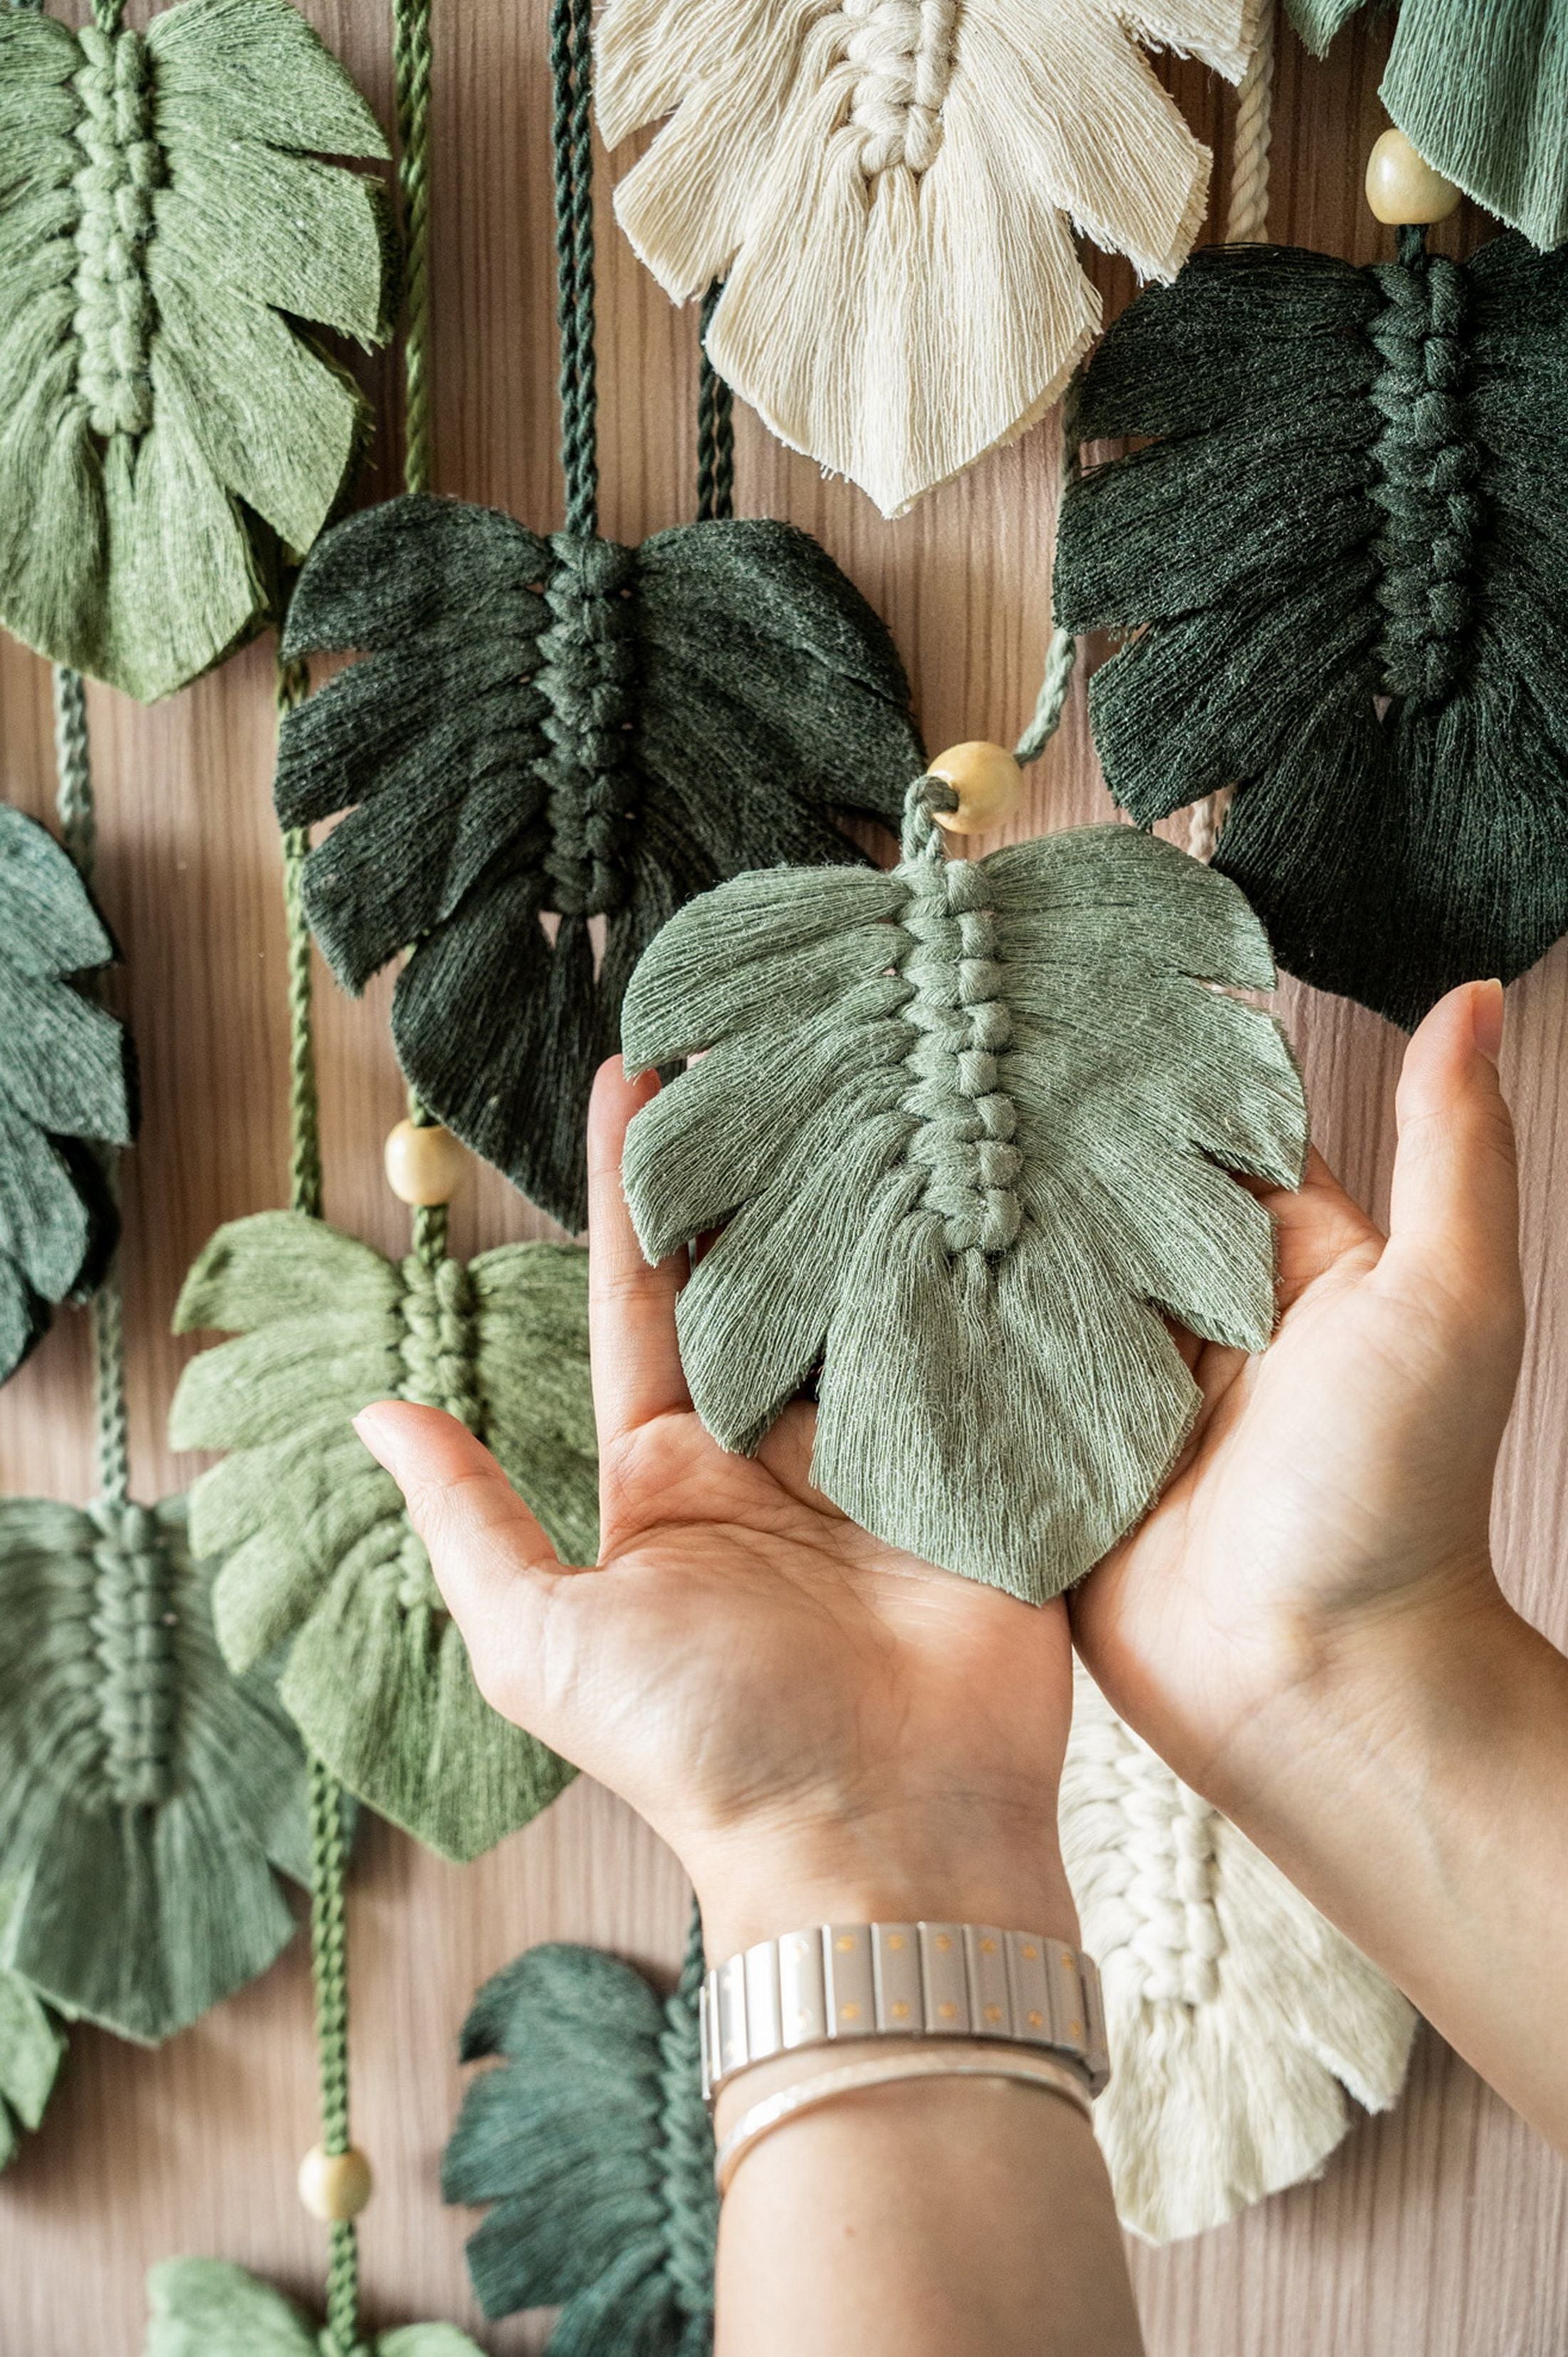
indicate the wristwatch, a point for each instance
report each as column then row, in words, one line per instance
column 840, row 1981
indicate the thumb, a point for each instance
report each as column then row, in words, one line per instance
column 492, row 1562
column 1453, row 1211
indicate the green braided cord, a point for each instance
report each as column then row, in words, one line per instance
column 715, row 427
column 571, row 56
column 329, row 1971
column 79, row 832
column 303, row 1102
column 106, row 14
column 429, row 1221
column 411, row 71
column 1061, row 654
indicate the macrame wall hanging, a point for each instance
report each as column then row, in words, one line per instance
column 31, row 2052
column 148, row 1801
column 571, row 728
column 167, row 433
column 1340, row 558
column 1482, row 94
column 888, row 189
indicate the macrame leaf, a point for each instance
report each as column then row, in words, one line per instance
column 316, row 1550
column 969, row 1125
column 573, row 727
column 67, row 1075
column 1240, row 2021
column 31, row 2050
column 591, row 2141
column 1482, row 94
column 1341, row 559
column 148, row 1799
column 163, row 223
column 888, row 193
column 207, row 2307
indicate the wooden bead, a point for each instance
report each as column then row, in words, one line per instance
column 424, row 1165
column 1402, row 187
column 335, row 2185
column 988, row 783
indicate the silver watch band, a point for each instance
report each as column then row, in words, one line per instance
column 902, row 1980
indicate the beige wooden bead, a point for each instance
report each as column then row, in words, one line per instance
column 335, row 2185
column 425, row 1164
column 1402, row 187
column 987, row 780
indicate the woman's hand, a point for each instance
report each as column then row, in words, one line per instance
column 821, row 1727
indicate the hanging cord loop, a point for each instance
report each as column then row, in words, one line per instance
column 571, row 70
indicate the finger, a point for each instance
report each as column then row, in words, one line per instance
column 1454, row 1211
column 492, row 1562
column 1315, row 1225
column 631, row 1304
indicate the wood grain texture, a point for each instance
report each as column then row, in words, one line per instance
column 1440, row 2232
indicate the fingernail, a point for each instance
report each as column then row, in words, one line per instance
column 372, row 1426
column 1486, row 1018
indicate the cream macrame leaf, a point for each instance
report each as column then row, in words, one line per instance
column 31, row 2050
column 1240, row 2021
column 148, row 1799
column 969, row 1124
column 888, row 189
column 164, row 223
column 207, row 2307
column 318, row 1552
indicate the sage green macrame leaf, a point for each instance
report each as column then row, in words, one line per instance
column 1481, row 93
column 66, row 1076
column 318, row 1552
column 165, row 224
column 1340, row 565
column 592, row 2143
column 148, row 1799
column 569, row 726
column 31, row 2050
column 207, row 2307
column 967, row 1126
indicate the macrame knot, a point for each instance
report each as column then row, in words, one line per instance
column 965, row 1121
column 685, row 2162
column 1428, row 477
column 1173, row 1929
column 133, row 1631
column 586, row 675
column 440, row 1341
column 114, row 316
column 900, row 53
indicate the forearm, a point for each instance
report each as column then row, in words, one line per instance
column 933, row 2218
column 1414, row 1782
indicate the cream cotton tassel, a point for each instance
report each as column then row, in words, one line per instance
column 887, row 190
column 1239, row 2018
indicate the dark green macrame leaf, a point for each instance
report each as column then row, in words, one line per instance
column 146, row 1796
column 66, row 1076
column 31, row 2050
column 164, row 426
column 1481, row 93
column 318, row 1551
column 1344, row 562
column 207, row 2307
column 573, row 727
column 969, row 1125
column 592, row 2140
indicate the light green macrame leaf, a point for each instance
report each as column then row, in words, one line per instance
column 318, row 1551
column 969, row 1125
column 148, row 1799
column 164, row 426
column 207, row 2307
column 31, row 2050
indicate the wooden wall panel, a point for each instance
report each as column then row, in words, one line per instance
column 1439, row 2232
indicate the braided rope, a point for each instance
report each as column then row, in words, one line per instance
column 410, row 74
column 715, row 426
column 329, row 1973
column 1246, row 223
column 571, row 70
column 1061, row 650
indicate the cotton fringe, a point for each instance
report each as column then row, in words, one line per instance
column 963, row 1124
column 1240, row 2021
column 207, row 2307
column 887, row 188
